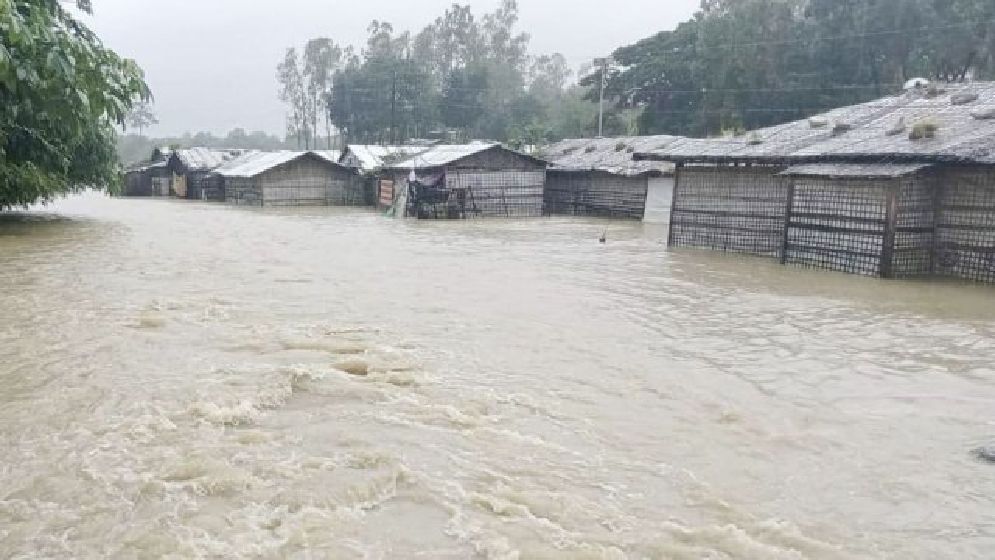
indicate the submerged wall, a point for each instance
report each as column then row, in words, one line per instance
column 933, row 223
column 595, row 193
column 305, row 182
column 965, row 228
column 837, row 225
column 735, row 209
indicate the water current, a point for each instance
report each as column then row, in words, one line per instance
column 186, row 380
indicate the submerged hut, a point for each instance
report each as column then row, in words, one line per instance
column 899, row 187
column 469, row 180
column 370, row 160
column 289, row 179
column 137, row 181
column 151, row 177
column 190, row 168
column 599, row 177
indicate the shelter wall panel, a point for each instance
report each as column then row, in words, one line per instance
column 915, row 233
column 197, row 185
column 596, row 194
column 243, row 192
column 733, row 209
column 309, row 182
column 347, row 191
column 501, row 193
column 838, row 225
column 138, row 183
column 965, row 230
column 561, row 192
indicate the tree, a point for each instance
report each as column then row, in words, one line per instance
column 61, row 95
column 322, row 57
column 459, row 78
column 293, row 92
column 141, row 116
column 743, row 64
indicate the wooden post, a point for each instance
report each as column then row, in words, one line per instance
column 890, row 229
column 938, row 184
column 673, row 204
column 788, row 210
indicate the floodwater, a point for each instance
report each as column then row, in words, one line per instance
column 185, row 380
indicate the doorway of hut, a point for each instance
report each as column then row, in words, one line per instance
column 659, row 199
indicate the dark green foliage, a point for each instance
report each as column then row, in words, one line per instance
column 743, row 64
column 459, row 78
column 61, row 94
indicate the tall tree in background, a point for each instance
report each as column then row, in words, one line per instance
column 459, row 78
column 141, row 116
column 293, row 92
column 322, row 58
column 62, row 95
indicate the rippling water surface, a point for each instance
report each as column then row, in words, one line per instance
column 194, row 381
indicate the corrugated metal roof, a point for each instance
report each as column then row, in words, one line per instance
column 855, row 171
column 331, row 155
column 371, row 157
column 962, row 117
column 146, row 166
column 206, row 159
column 256, row 163
column 445, row 154
column 611, row 155
column 253, row 164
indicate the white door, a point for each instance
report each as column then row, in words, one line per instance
column 659, row 198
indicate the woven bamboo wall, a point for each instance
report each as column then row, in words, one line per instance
column 736, row 209
column 138, row 183
column 965, row 229
column 304, row 182
column 301, row 183
column 513, row 193
column 594, row 193
column 242, row 191
column 838, row 225
column 199, row 186
column 212, row 188
column 915, row 231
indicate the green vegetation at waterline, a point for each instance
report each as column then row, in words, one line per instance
column 61, row 95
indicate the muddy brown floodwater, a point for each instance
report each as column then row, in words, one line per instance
column 183, row 380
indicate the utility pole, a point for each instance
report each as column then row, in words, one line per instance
column 393, row 107
column 601, row 101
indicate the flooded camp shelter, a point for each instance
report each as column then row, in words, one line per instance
column 192, row 166
column 289, row 179
column 151, row 177
column 372, row 158
column 148, row 179
column 600, row 177
column 369, row 160
column 899, row 187
column 470, row 180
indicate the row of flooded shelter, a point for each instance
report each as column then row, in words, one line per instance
column 593, row 177
column 899, row 187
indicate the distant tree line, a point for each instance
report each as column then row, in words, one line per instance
column 460, row 78
column 743, row 64
column 134, row 148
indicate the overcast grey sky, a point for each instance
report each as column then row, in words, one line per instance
column 211, row 63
